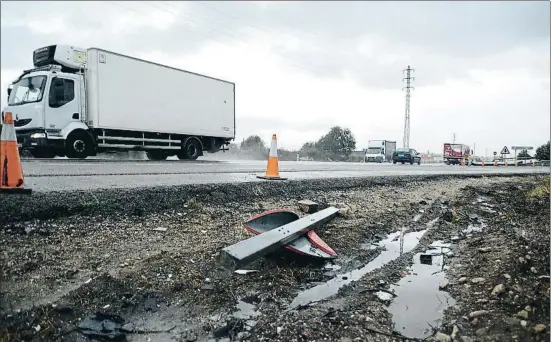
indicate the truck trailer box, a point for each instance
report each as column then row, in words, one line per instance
column 126, row 93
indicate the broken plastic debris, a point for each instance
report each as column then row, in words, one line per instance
column 245, row 271
column 160, row 229
column 88, row 281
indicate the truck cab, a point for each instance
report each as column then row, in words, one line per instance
column 47, row 102
column 375, row 154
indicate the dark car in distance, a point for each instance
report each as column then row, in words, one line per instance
column 406, row 155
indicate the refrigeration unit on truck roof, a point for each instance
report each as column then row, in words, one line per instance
column 78, row 102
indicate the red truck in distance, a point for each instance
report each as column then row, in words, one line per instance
column 454, row 153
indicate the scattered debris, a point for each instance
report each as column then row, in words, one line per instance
column 102, row 326
column 160, row 229
column 440, row 337
column 539, row 328
column 308, row 207
column 478, row 313
column 245, row 271
column 444, row 283
column 498, row 289
column 522, row 314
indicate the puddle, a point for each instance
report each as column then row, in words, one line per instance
column 332, row 267
column 245, row 310
column 419, row 302
column 471, row 228
column 394, row 247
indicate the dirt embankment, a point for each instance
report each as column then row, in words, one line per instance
column 152, row 261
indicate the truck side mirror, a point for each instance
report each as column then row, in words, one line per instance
column 9, row 92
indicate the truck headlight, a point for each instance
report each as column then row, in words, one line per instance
column 38, row 135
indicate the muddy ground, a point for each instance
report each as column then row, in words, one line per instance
column 435, row 258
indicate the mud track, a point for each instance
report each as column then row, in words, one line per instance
column 67, row 256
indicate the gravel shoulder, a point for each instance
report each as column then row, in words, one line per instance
column 67, row 256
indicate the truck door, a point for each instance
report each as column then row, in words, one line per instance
column 63, row 106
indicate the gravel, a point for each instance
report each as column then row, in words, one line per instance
column 70, row 255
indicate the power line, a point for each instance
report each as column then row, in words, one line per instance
column 408, row 87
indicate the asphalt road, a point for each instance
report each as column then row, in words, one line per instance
column 63, row 174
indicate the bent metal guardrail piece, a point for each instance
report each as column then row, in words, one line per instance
column 246, row 251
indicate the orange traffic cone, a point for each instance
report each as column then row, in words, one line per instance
column 272, row 171
column 11, row 174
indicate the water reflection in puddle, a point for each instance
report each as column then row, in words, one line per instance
column 394, row 247
column 419, row 302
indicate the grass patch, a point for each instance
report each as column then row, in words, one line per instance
column 541, row 189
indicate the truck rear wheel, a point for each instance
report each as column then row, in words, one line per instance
column 156, row 155
column 78, row 145
column 191, row 150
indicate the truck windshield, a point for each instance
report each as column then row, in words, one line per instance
column 27, row 90
column 373, row 150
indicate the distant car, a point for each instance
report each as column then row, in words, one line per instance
column 406, row 155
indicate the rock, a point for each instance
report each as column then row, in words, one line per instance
column 344, row 211
column 528, row 308
column 481, row 332
column 522, row 260
column 279, row 330
column 160, row 229
column 308, row 207
column 539, row 328
column 478, row 313
column 523, row 323
column 466, row 339
column 478, row 280
column 440, row 337
column 462, row 280
column 508, row 277
column 128, row 328
column 533, row 269
column 444, row 283
column 523, row 314
column 485, row 249
column 37, row 328
column 455, row 331
column 498, row 289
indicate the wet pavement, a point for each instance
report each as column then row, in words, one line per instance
column 64, row 174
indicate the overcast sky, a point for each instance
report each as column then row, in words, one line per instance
column 481, row 68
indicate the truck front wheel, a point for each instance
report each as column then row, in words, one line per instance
column 78, row 145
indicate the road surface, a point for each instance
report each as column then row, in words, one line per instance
column 64, row 174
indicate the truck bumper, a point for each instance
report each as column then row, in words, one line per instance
column 374, row 159
column 37, row 139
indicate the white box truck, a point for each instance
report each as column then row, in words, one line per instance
column 78, row 102
column 379, row 151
